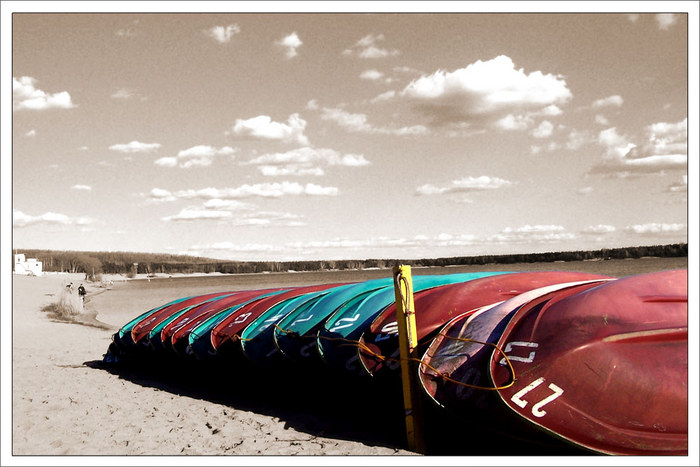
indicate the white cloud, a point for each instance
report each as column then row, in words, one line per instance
column 302, row 161
column 514, row 122
column 599, row 229
column 349, row 121
column 290, row 43
column 193, row 214
column 168, row 161
column 385, row 96
column 666, row 20
column 25, row 96
column 20, row 219
column 483, row 91
column 81, row 187
column 272, row 218
column 263, row 190
column 135, row 147
column 651, row 164
column 290, row 170
column 30, row 133
column 318, row 190
column 549, row 111
column 616, row 146
column 223, row 34
column 227, row 204
column 126, row 94
column 122, row 94
column 654, row 228
column 357, row 123
column 666, row 149
column 407, row 69
column 196, row 156
column 465, row 185
column 161, row 195
column 211, row 209
column 544, row 130
column 376, row 75
column 368, row 47
column 601, row 120
column 552, row 146
column 257, row 218
column 372, row 75
column 263, row 127
column 577, row 139
column 610, row 101
column 587, row 190
column 346, row 244
column 664, row 138
column 531, row 234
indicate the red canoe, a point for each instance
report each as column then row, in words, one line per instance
column 437, row 306
column 226, row 332
column 145, row 326
column 605, row 369
column 175, row 334
column 459, row 355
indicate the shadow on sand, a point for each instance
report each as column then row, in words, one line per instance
column 325, row 404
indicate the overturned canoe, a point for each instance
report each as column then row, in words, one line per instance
column 379, row 343
column 175, row 336
column 337, row 339
column 257, row 342
column 220, row 334
column 297, row 334
column 137, row 331
column 606, row 368
column 454, row 368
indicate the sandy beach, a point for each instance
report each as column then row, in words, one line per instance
column 67, row 402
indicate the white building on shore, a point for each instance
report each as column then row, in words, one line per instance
column 28, row 267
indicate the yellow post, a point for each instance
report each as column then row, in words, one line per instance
column 408, row 341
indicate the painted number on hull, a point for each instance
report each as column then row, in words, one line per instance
column 537, row 408
column 351, row 363
column 301, row 320
column 389, row 330
column 341, row 326
column 242, row 318
column 306, row 350
column 515, row 358
column 273, row 319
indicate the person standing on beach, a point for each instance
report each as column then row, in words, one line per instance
column 82, row 292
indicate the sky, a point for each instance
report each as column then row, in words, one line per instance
column 349, row 134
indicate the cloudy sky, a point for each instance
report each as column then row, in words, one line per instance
column 326, row 136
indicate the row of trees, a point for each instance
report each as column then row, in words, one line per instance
column 95, row 263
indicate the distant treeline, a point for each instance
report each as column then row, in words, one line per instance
column 94, row 263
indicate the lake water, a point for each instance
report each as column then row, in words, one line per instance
column 614, row 267
column 131, row 298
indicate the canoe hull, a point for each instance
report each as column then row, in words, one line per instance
column 607, row 368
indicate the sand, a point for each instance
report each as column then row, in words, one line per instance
column 66, row 403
